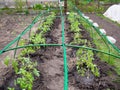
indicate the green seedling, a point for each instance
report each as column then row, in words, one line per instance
column 38, row 39
column 27, row 50
column 85, row 62
column 10, row 88
column 25, row 72
column 7, row 60
column 22, row 42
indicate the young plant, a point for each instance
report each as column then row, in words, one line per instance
column 72, row 17
column 25, row 72
column 27, row 50
column 75, row 26
column 7, row 61
column 38, row 39
column 45, row 26
column 77, row 39
column 22, row 42
column 85, row 62
column 10, row 88
column 74, row 21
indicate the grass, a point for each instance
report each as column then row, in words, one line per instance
column 9, row 11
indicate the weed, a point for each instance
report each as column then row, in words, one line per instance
column 38, row 7
column 19, row 5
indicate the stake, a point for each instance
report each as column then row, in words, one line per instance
column 65, row 7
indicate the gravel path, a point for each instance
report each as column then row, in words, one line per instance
column 111, row 28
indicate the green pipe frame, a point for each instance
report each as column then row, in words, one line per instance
column 64, row 52
column 93, row 49
column 6, row 49
column 31, row 45
column 67, row 45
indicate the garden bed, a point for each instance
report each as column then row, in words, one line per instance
column 77, row 82
column 50, row 63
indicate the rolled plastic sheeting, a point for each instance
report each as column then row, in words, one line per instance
column 103, row 31
column 111, row 39
column 68, row 13
column 95, row 24
column 113, row 13
column 90, row 20
column 83, row 14
column 86, row 17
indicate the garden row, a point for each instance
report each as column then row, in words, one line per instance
column 25, row 70
column 41, row 67
column 88, row 70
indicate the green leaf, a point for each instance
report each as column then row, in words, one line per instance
column 15, row 66
column 7, row 60
column 22, row 42
column 36, row 72
column 10, row 88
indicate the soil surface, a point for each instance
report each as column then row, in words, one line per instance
column 52, row 66
column 11, row 26
column 111, row 28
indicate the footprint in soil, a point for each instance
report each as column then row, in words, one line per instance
column 84, row 79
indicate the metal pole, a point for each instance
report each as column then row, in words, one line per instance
column 65, row 6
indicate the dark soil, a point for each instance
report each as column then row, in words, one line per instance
column 111, row 28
